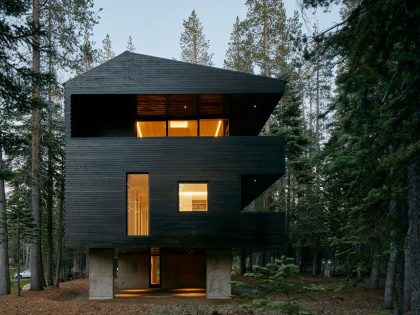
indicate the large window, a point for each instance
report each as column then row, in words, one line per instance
column 193, row 197
column 151, row 129
column 138, row 204
column 183, row 128
column 214, row 127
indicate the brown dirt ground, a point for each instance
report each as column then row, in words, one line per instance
column 71, row 298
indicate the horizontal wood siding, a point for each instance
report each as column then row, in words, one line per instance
column 95, row 200
column 131, row 73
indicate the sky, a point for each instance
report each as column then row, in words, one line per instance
column 156, row 25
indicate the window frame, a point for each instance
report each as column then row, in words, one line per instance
column 126, row 203
column 193, row 182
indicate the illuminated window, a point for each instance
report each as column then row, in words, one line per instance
column 138, row 204
column 213, row 127
column 182, row 128
column 155, row 270
column 151, row 129
column 193, row 197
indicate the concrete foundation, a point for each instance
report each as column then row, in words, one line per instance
column 218, row 272
column 133, row 272
column 101, row 278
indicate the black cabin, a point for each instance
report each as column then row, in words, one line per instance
column 162, row 157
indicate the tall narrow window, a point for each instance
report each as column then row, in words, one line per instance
column 138, row 204
column 154, row 267
column 193, row 197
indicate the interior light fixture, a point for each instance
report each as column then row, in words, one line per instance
column 218, row 128
column 139, row 130
column 178, row 124
column 255, row 106
column 193, row 193
column 185, row 106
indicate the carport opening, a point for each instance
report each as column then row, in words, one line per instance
column 161, row 272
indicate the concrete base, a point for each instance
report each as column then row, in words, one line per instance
column 101, row 278
column 218, row 271
column 133, row 272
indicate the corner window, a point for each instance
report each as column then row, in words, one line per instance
column 193, row 197
column 151, row 129
column 138, row 204
column 214, row 127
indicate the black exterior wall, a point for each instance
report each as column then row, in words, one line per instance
column 96, row 166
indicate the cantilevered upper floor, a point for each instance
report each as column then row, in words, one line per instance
column 162, row 153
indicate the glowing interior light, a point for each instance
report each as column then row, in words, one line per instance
column 178, row 124
column 218, row 128
column 193, row 193
column 139, row 130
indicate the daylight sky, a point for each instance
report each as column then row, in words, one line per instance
column 156, row 25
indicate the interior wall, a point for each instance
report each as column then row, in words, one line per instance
column 133, row 272
column 183, row 271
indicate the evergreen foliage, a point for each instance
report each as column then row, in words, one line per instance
column 238, row 54
column 194, row 45
column 130, row 44
column 106, row 52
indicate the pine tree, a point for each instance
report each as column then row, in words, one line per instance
column 194, row 46
column 238, row 56
column 374, row 145
column 88, row 55
column 106, row 52
column 266, row 24
column 36, row 255
column 130, row 45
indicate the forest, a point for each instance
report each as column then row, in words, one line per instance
column 350, row 116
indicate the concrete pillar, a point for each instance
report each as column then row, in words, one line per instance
column 218, row 273
column 101, row 278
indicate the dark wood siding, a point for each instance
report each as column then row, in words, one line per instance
column 131, row 73
column 95, row 198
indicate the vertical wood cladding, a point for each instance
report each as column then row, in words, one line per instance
column 96, row 209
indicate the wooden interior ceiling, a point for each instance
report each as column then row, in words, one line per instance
column 182, row 105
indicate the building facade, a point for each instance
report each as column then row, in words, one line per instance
column 162, row 157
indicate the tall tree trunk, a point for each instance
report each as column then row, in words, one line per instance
column 314, row 263
column 36, row 256
column 243, row 261
column 50, row 173
column 266, row 47
column 60, row 225
column 4, row 238
column 407, row 282
column 414, row 235
column 399, row 281
column 374, row 273
column 390, row 278
column 266, row 38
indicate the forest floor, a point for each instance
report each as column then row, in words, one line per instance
column 72, row 298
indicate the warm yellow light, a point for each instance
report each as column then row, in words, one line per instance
column 139, row 130
column 218, row 128
column 178, row 124
column 193, row 193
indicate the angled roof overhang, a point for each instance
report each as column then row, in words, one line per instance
column 131, row 73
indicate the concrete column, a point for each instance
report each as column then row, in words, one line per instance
column 101, row 278
column 218, row 273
